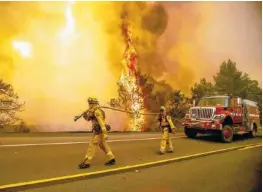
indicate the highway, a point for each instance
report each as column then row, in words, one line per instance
column 26, row 159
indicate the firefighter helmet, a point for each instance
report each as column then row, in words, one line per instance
column 162, row 108
column 93, row 100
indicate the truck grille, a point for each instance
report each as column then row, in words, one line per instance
column 202, row 113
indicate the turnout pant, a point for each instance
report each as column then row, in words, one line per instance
column 166, row 141
column 98, row 140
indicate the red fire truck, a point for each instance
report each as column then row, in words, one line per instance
column 222, row 115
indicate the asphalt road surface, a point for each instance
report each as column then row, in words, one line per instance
column 48, row 157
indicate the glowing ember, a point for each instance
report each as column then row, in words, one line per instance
column 128, row 80
column 23, row 47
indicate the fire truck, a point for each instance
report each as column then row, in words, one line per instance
column 224, row 116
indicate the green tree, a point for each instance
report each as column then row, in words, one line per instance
column 202, row 89
column 229, row 80
column 253, row 92
column 251, row 89
column 179, row 104
column 9, row 104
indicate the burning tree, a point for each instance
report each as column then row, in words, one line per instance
column 130, row 93
column 9, row 104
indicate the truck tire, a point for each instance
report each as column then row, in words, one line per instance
column 253, row 133
column 190, row 133
column 227, row 134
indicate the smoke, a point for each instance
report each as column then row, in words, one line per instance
column 201, row 35
column 57, row 54
column 77, row 54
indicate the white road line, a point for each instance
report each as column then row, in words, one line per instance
column 82, row 142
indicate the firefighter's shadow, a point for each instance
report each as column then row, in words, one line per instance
column 217, row 138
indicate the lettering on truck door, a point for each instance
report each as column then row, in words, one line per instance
column 238, row 117
column 237, row 112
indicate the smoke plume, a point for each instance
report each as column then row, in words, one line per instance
column 201, row 35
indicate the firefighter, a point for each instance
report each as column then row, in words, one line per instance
column 99, row 137
column 167, row 127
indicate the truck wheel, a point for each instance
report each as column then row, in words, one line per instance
column 190, row 133
column 253, row 133
column 227, row 134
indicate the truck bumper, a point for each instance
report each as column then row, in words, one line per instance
column 204, row 126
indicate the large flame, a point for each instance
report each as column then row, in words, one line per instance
column 61, row 63
column 70, row 27
column 129, row 80
column 23, row 47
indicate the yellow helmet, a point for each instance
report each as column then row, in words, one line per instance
column 162, row 108
column 93, row 100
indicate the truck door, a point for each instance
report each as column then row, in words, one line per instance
column 236, row 105
column 239, row 110
column 245, row 115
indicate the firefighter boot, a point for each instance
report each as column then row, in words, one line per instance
column 84, row 165
column 110, row 162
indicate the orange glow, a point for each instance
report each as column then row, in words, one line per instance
column 69, row 64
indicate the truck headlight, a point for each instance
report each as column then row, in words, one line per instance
column 219, row 117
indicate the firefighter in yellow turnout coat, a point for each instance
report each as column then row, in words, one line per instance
column 99, row 137
column 167, row 127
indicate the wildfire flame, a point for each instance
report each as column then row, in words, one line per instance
column 23, row 47
column 61, row 42
column 129, row 80
column 70, row 26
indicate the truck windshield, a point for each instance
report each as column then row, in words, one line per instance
column 213, row 101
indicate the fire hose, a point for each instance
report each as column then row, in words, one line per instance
column 125, row 111
column 120, row 110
